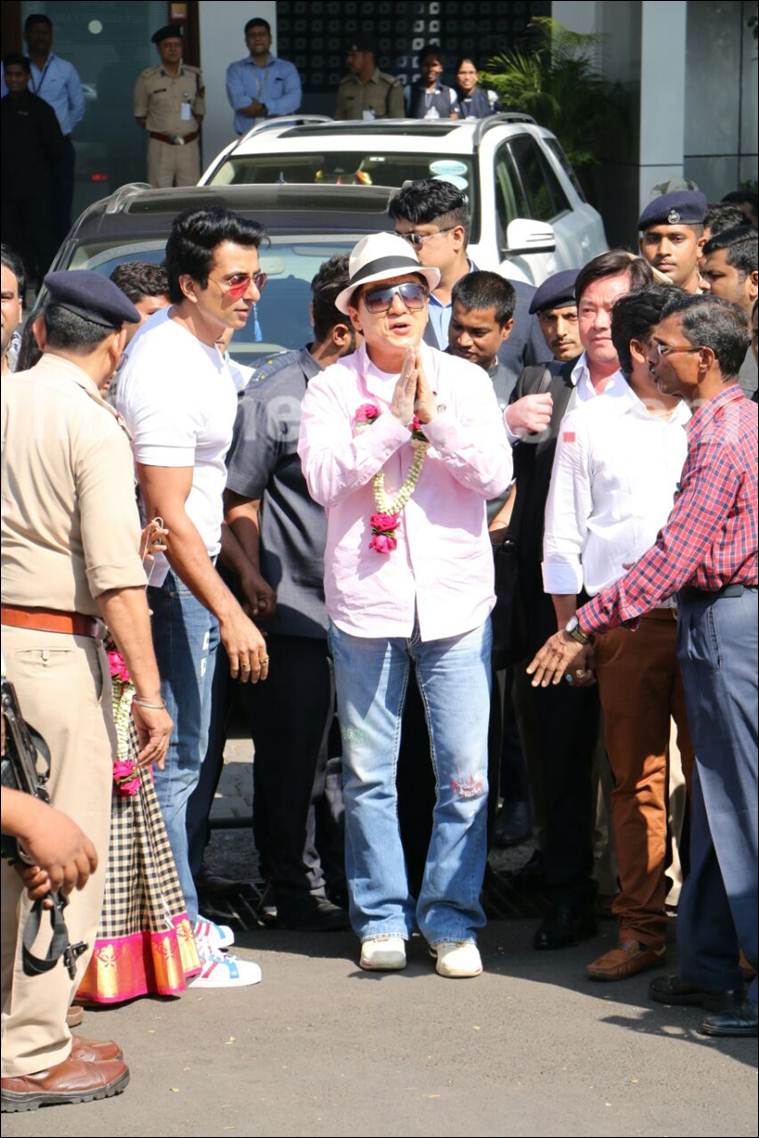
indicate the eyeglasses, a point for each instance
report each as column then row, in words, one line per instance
column 239, row 283
column 663, row 350
column 418, row 239
column 413, row 295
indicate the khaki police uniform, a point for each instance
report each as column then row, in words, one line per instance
column 70, row 531
column 380, row 98
column 171, row 106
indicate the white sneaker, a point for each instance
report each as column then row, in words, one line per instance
column 383, row 953
column 223, row 971
column 457, row 959
column 216, row 937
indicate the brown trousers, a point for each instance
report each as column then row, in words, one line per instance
column 641, row 689
column 64, row 690
column 173, row 165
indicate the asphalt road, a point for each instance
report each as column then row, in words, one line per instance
column 320, row 1048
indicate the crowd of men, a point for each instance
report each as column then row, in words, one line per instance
column 334, row 520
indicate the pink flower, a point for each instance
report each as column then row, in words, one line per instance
column 366, row 413
column 383, row 543
column 118, row 668
column 126, row 777
column 385, row 523
column 416, row 423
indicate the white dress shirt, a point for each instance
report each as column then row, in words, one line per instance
column 614, row 476
column 583, row 391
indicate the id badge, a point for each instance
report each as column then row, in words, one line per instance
column 185, row 113
column 367, row 114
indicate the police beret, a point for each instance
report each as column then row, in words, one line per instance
column 555, row 292
column 682, row 207
column 361, row 43
column 169, row 32
column 91, row 296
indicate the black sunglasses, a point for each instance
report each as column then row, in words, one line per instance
column 413, row 295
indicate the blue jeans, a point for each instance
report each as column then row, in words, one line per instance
column 185, row 638
column 454, row 679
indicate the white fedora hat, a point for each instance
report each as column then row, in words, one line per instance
column 379, row 257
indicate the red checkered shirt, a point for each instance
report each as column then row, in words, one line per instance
column 710, row 539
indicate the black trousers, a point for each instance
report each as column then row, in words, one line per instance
column 63, row 192
column 566, row 722
column 296, row 791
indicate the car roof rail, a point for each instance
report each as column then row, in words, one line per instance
column 283, row 121
column 498, row 119
column 119, row 197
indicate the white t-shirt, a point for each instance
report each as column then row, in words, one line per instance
column 179, row 402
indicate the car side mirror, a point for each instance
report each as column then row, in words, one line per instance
column 523, row 235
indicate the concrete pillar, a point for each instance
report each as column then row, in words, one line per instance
column 662, row 93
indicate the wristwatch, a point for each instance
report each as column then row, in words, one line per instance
column 572, row 628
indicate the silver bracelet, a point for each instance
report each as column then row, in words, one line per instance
column 149, row 706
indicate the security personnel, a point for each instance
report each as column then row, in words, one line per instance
column 70, row 555
column 368, row 93
column 555, row 307
column 671, row 231
column 168, row 103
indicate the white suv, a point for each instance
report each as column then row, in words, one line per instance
column 529, row 217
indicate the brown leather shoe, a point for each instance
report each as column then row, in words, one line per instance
column 73, row 1080
column 626, row 960
column 94, row 1050
column 74, row 1016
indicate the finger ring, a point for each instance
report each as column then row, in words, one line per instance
column 569, row 678
column 580, row 673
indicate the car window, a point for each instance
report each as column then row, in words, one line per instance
column 546, row 199
column 346, row 168
column 510, row 199
column 554, row 146
column 280, row 320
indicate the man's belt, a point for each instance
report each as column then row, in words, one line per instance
column 691, row 595
column 45, row 620
column 174, row 139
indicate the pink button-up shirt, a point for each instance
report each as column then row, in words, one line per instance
column 442, row 571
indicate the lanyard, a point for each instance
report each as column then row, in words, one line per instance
column 43, row 75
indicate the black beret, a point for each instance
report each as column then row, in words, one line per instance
column 169, row 32
column 555, row 292
column 91, row 296
column 361, row 43
column 683, row 207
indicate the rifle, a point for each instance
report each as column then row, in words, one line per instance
column 22, row 749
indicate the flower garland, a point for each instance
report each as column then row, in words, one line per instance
column 387, row 519
column 126, row 774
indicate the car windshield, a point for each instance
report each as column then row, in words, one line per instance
column 281, row 318
column 342, row 168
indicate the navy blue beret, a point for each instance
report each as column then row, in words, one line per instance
column 683, row 207
column 91, row 296
column 555, row 292
column 169, row 32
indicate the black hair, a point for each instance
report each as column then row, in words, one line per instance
column 72, row 332
column 37, row 18
column 486, row 290
column 723, row 215
column 742, row 244
column 13, row 262
column 738, row 196
column 611, row 264
column 710, row 322
column 331, row 279
column 16, row 59
column 138, row 279
column 429, row 49
column 257, row 22
column 194, row 236
column 427, row 200
column 633, row 316
column 466, row 59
